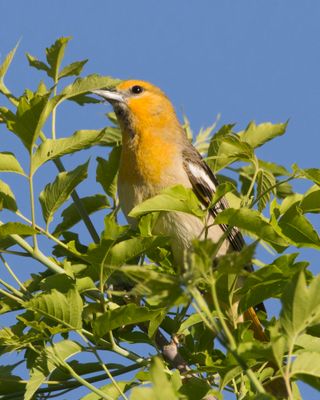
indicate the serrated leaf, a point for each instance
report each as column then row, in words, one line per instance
column 257, row 135
column 226, row 148
column 175, row 198
column 265, row 187
column 253, row 222
column 311, row 173
column 32, row 111
column 35, row 63
column 63, row 308
column 71, row 214
column 11, row 228
column 51, row 149
column 58, row 192
column 88, row 84
column 122, row 316
column 9, row 163
column 107, row 172
column 55, row 55
column 46, row 362
column 7, row 199
column 74, row 68
column 295, row 226
column 111, row 137
column 301, row 305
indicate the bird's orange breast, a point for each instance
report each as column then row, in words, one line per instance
column 146, row 158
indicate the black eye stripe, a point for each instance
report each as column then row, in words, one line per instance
column 136, row 89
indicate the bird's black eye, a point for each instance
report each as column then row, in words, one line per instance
column 136, row 89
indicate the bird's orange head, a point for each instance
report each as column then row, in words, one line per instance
column 140, row 107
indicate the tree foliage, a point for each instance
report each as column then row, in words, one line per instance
column 120, row 296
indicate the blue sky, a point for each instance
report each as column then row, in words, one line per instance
column 247, row 60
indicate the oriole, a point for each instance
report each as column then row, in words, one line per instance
column 156, row 154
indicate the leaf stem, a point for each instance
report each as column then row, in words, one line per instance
column 286, row 375
column 37, row 254
column 14, row 276
column 270, row 189
column 11, row 296
column 79, row 205
column 102, row 364
column 83, row 381
column 33, row 217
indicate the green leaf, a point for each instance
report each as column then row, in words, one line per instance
column 142, row 393
column 275, row 169
column 35, row 63
column 32, row 111
column 74, row 68
column 9, row 163
column 51, row 149
column 10, row 383
column 161, row 290
column 111, row 137
column 63, row 308
column 109, row 390
column 88, row 84
column 4, row 68
column 307, row 363
column 311, row 173
column 122, row 316
column 222, row 190
column 253, row 222
column 129, row 249
column 71, row 214
column 189, row 322
column 46, row 362
column 163, row 388
column 235, row 262
column 55, row 55
column 265, row 187
column 257, row 135
column 175, row 198
column 295, row 226
column 7, row 199
column 310, row 203
column 58, row 192
column 11, row 228
column 308, row 343
column 268, row 281
column 301, row 305
column 107, row 172
column 226, row 148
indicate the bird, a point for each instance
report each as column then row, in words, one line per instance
column 156, row 154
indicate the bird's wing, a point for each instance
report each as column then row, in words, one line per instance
column 204, row 184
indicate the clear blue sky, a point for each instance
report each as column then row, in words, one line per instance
column 248, row 60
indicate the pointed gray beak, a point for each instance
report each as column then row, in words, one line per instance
column 110, row 95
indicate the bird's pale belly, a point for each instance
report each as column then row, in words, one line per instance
column 182, row 228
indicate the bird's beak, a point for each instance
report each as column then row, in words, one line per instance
column 110, row 95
